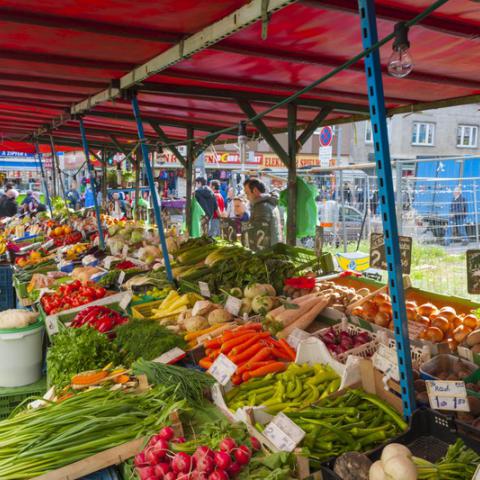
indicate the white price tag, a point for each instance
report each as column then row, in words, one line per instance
column 385, row 359
column 52, row 325
column 222, row 369
column 107, row 263
column 447, row 395
column 296, row 337
column 233, row 305
column 172, row 356
column 284, row 433
column 415, row 329
column 121, row 278
column 125, row 251
column 48, row 244
column 125, row 301
column 204, row 289
column 476, row 475
column 465, row 353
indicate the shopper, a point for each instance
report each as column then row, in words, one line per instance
column 240, row 213
column 73, row 198
column 89, row 197
column 215, row 221
column 263, row 207
column 27, row 204
column 229, row 208
column 8, row 203
column 458, row 217
column 205, row 198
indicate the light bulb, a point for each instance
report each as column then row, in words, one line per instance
column 400, row 63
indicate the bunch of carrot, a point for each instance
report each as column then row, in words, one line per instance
column 255, row 352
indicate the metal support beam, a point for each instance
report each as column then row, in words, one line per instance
column 200, row 148
column 123, row 149
column 292, row 175
column 164, row 138
column 56, row 167
column 312, row 126
column 44, row 179
column 92, row 185
column 265, row 132
column 387, row 202
column 189, row 178
column 153, row 189
column 104, row 177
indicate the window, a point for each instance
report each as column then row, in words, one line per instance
column 467, row 136
column 423, row 133
column 369, row 133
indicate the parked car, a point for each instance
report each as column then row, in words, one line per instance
column 332, row 216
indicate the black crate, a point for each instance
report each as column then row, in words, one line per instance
column 7, row 292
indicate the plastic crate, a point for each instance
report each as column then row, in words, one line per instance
column 145, row 310
column 11, row 398
column 7, row 292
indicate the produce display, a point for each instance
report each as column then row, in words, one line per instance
column 140, row 364
column 297, row 387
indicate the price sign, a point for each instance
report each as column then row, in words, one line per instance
column 473, row 271
column 284, row 433
column 222, row 369
column 415, row 329
column 124, row 302
column 121, row 278
column 476, row 475
column 296, row 337
column 378, row 258
column 385, row 359
column 125, row 251
column 170, row 357
column 447, row 395
column 465, row 352
column 52, row 325
column 107, row 263
column 204, row 289
column 233, row 305
column 256, row 235
column 228, row 229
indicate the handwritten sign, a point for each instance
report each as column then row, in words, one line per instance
column 52, row 325
column 256, row 235
column 233, row 305
column 172, row 356
column 284, row 433
column 415, row 329
column 447, row 395
column 204, row 289
column 385, row 359
column 473, row 271
column 228, row 229
column 125, row 301
column 476, row 475
column 222, row 369
column 378, row 257
column 121, row 278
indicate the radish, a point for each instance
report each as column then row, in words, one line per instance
column 170, row 476
column 140, row 460
column 222, row 460
column 242, row 454
column 152, row 458
column 234, row 469
column 218, row 475
column 162, row 469
column 205, row 464
column 146, row 472
column 202, row 451
column 160, row 448
column 166, row 433
column 227, row 444
column 179, row 440
column 181, row 462
column 255, row 443
column 196, row 475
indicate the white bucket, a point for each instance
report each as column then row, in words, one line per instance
column 21, row 355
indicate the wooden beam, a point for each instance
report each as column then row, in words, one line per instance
column 312, row 126
column 265, row 132
column 165, row 139
column 201, row 147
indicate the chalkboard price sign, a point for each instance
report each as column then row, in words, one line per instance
column 473, row 271
column 228, row 229
column 378, row 257
column 256, row 235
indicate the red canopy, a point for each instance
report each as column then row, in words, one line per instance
column 57, row 53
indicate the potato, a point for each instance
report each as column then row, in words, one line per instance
column 473, row 338
column 420, row 385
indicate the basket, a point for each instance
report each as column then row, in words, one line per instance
column 417, row 353
column 11, row 398
column 364, row 351
column 7, row 292
column 446, row 361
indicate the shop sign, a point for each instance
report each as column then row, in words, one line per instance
column 378, row 258
column 228, row 229
column 447, row 395
column 473, row 271
column 256, row 235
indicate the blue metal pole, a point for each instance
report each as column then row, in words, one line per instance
column 44, row 179
column 151, row 184
column 92, row 185
column 376, row 101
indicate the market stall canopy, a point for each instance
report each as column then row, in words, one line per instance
column 64, row 58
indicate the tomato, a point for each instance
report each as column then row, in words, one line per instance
column 75, row 302
column 100, row 292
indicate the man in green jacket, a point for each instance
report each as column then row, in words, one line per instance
column 263, row 207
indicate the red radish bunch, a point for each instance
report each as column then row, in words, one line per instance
column 158, row 462
column 343, row 341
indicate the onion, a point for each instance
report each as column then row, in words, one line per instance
column 400, row 468
column 394, row 450
column 376, row 472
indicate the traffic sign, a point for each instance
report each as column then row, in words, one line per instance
column 326, row 136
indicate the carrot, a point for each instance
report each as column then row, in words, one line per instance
column 89, row 378
column 214, row 354
column 280, row 354
column 193, row 335
column 249, row 326
column 237, row 340
column 205, row 363
column 249, row 342
column 290, row 351
column 236, row 379
column 246, row 354
column 260, row 356
column 213, row 344
column 122, row 379
column 273, row 367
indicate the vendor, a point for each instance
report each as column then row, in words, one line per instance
column 8, row 203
